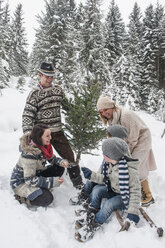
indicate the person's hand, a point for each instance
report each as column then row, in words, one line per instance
column 60, row 180
column 57, row 181
column 64, row 163
column 133, row 218
column 87, row 172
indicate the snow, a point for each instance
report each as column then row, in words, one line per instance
column 54, row 227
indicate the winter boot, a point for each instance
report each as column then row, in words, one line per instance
column 82, row 210
column 79, row 199
column 75, row 176
column 87, row 231
column 88, row 215
column 23, row 200
column 146, row 196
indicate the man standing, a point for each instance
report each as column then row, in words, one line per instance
column 43, row 106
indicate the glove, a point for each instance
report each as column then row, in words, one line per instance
column 133, row 217
column 87, row 172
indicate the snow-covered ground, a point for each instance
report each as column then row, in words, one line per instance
column 54, row 227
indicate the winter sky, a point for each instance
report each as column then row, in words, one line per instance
column 32, row 8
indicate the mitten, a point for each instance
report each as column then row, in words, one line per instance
column 87, row 172
column 133, row 217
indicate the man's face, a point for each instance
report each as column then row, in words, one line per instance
column 46, row 81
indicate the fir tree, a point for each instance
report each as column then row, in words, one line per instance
column 4, row 74
column 114, row 34
column 56, row 43
column 149, row 77
column 126, row 90
column 82, row 120
column 92, row 53
column 18, row 50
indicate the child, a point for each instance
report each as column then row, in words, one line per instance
column 91, row 188
column 121, row 178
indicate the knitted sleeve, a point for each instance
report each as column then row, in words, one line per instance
column 97, row 178
column 134, row 188
column 29, row 171
column 29, row 113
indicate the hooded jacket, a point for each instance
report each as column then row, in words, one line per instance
column 25, row 179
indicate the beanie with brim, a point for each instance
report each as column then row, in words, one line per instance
column 105, row 102
column 115, row 148
column 118, row 131
column 47, row 69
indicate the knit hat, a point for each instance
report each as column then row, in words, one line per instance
column 46, row 69
column 118, row 131
column 104, row 102
column 115, row 148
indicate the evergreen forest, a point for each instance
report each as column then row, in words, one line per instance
column 87, row 49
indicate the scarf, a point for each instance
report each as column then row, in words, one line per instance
column 47, row 151
column 105, row 173
column 124, row 181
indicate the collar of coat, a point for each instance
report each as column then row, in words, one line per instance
column 26, row 148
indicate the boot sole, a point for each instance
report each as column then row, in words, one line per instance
column 152, row 201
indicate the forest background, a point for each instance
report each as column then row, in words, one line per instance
column 125, row 61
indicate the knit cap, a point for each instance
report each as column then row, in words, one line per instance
column 115, row 148
column 118, row 131
column 104, row 102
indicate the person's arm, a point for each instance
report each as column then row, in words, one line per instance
column 29, row 169
column 133, row 124
column 29, row 113
column 134, row 188
column 97, row 178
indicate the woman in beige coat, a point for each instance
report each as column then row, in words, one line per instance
column 139, row 140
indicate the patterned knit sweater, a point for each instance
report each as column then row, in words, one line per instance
column 43, row 106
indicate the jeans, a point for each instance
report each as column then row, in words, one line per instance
column 96, row 193
column 88, row 187
column 108, row 207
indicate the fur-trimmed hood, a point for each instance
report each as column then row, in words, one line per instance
column 26, row 148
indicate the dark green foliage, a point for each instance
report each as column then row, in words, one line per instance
column 82, row 120
column 18, row 51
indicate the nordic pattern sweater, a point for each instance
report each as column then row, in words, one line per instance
column 43, row 106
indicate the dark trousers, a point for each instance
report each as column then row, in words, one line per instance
column 46, row 198
column 61, row 145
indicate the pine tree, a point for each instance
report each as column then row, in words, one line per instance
column 4, row 75
column 56, row 44
column 82, row 120
column 126, row 90
column 149, row 77
column 159, row 40
column 92, row 53
column 114, row 34
column 18, row 51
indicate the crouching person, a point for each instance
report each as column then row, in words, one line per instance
column 31, row 179
column 121, row 178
